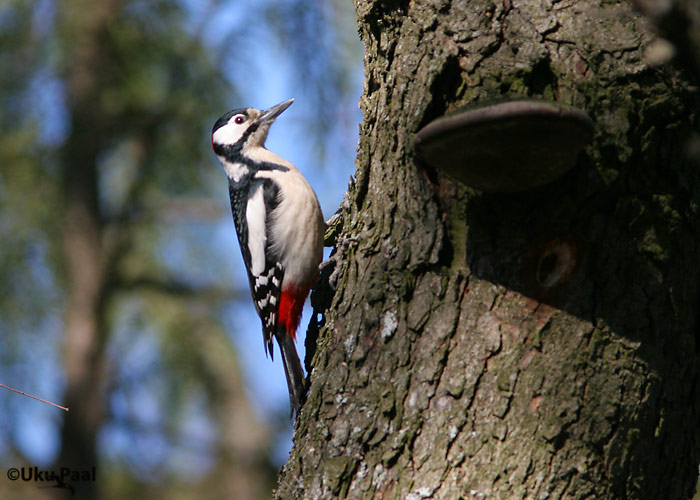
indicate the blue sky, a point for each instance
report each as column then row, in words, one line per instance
column 272, row 79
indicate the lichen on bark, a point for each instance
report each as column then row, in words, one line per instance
column 451, row 363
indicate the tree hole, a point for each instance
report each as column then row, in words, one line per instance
column 556, row 264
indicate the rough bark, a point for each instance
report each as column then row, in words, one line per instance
column 532, row 345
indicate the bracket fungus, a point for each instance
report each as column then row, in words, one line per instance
column 508, row 146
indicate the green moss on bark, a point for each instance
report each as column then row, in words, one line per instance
column 445, row 368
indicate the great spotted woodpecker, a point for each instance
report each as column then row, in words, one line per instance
column 280, row 230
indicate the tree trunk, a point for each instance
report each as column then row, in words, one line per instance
column 83, row 252
column 453, row 361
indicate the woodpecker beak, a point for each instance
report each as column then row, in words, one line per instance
column 273, row 112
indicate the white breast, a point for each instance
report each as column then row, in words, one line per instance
column 298, row 226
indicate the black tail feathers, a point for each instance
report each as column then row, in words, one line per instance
column 296, row 382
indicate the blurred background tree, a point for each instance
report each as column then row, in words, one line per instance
column 119, row 268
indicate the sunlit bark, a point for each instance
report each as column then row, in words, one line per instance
column 447, row 365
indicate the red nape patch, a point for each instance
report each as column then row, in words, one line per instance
column 289, row 313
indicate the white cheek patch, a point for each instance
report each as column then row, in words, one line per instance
column 257, row 237
column 228, row 134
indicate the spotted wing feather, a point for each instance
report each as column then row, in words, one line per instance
column 265, row 276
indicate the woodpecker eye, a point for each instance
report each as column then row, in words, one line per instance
column 238, row 119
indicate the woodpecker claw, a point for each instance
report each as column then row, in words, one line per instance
column 332, row 264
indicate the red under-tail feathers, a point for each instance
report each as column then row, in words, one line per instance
column 289, row 312
column 288, row 316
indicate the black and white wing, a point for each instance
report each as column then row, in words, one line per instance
column 251, row 215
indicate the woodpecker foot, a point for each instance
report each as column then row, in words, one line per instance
column 331, row 268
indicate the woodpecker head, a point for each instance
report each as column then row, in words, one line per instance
column 244, row 128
